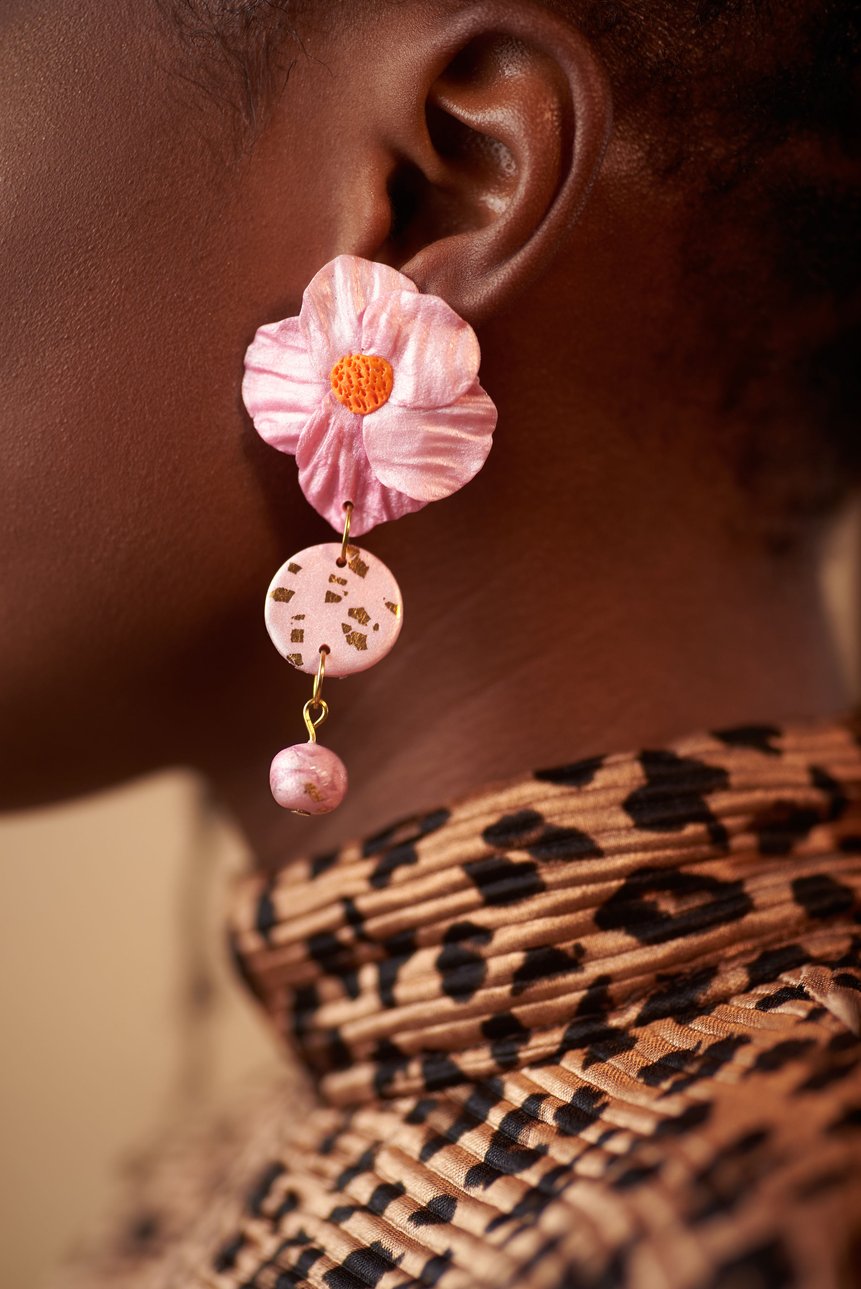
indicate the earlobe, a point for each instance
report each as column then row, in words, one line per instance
column 517, row 123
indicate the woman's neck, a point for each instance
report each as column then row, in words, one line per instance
column 541, row 625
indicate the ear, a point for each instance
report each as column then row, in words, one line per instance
column 497, row 144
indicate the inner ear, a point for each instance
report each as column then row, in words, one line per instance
column 474, row 168
column 512, row 132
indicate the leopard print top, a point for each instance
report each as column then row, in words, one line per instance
column 594, row 1028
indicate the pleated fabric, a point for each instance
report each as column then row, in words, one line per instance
column 597, row 1026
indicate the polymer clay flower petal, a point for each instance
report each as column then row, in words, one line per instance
column 334, row 301
column 429, row 453
column 334, row 468
column 433, row 351
column 280, row 388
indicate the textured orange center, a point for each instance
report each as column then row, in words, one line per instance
column 362, row 382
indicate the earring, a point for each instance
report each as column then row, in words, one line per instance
column 373, row 387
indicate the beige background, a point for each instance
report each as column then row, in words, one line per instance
column 117, row 1007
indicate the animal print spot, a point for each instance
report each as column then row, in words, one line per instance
column 546, row 962
column 265, row 917
column 584, row 1108
column 322, row 863
column 363, row 1164
column 727, row 1181
column 506, row 1035
column 336, row 959
column 363, row 1268
column 783, row 826
column 576, row 775
column 527, row 830
column 384, row 1195
column 225, row 1258
column 437, row 1211
column 662, row 1070
column 836, row 799
column 502, row 881
column 850, row 1117
column 822, row 1183
column 766, row 1266
column 399, row 949
column 460, row 964
column 759, row 738
column 694, row 1068
column 674, row 794
column 771, row 963
column 396, row 845
column 439, row 1071
column 634, row 1175
column 785, row 994
column 420, row 1112
column 434, row 1269
column 822, row 896
column 306, row 1001
column 679, row 998
column 588, row 1029
column 405, row 832
column 307, row 1258
column 390, row 861
column 679, row 1125
column 564, row 843
column 476, row 1110
column 289, row 1204
column 262, row 1186
column 433, row 1145
column 534, row 1201
column 390, row 1061
column 514, row 832
column 833, row 1066
column 774, row 1058
column 655, row 905
column 354, row 918
column 505, row 1156
column 342, row 1213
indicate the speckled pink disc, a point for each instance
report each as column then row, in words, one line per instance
column 356, row 609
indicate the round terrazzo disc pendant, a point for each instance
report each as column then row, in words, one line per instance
column 352, row 608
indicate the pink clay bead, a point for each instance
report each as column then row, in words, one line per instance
column 308, row 778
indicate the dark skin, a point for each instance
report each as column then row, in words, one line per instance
column 600, row 585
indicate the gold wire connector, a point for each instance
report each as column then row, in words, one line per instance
column 348, row 515
column 315, row 703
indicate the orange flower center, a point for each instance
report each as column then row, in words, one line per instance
column 362, row 382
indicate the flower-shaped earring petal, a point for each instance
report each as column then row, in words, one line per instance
column 374, row 389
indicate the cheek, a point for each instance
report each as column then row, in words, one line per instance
column 138, row 511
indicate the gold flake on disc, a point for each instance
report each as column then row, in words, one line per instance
column 357, row 639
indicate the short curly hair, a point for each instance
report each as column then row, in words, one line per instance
column 752, row 106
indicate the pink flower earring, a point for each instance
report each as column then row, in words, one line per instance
column 374, row 389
